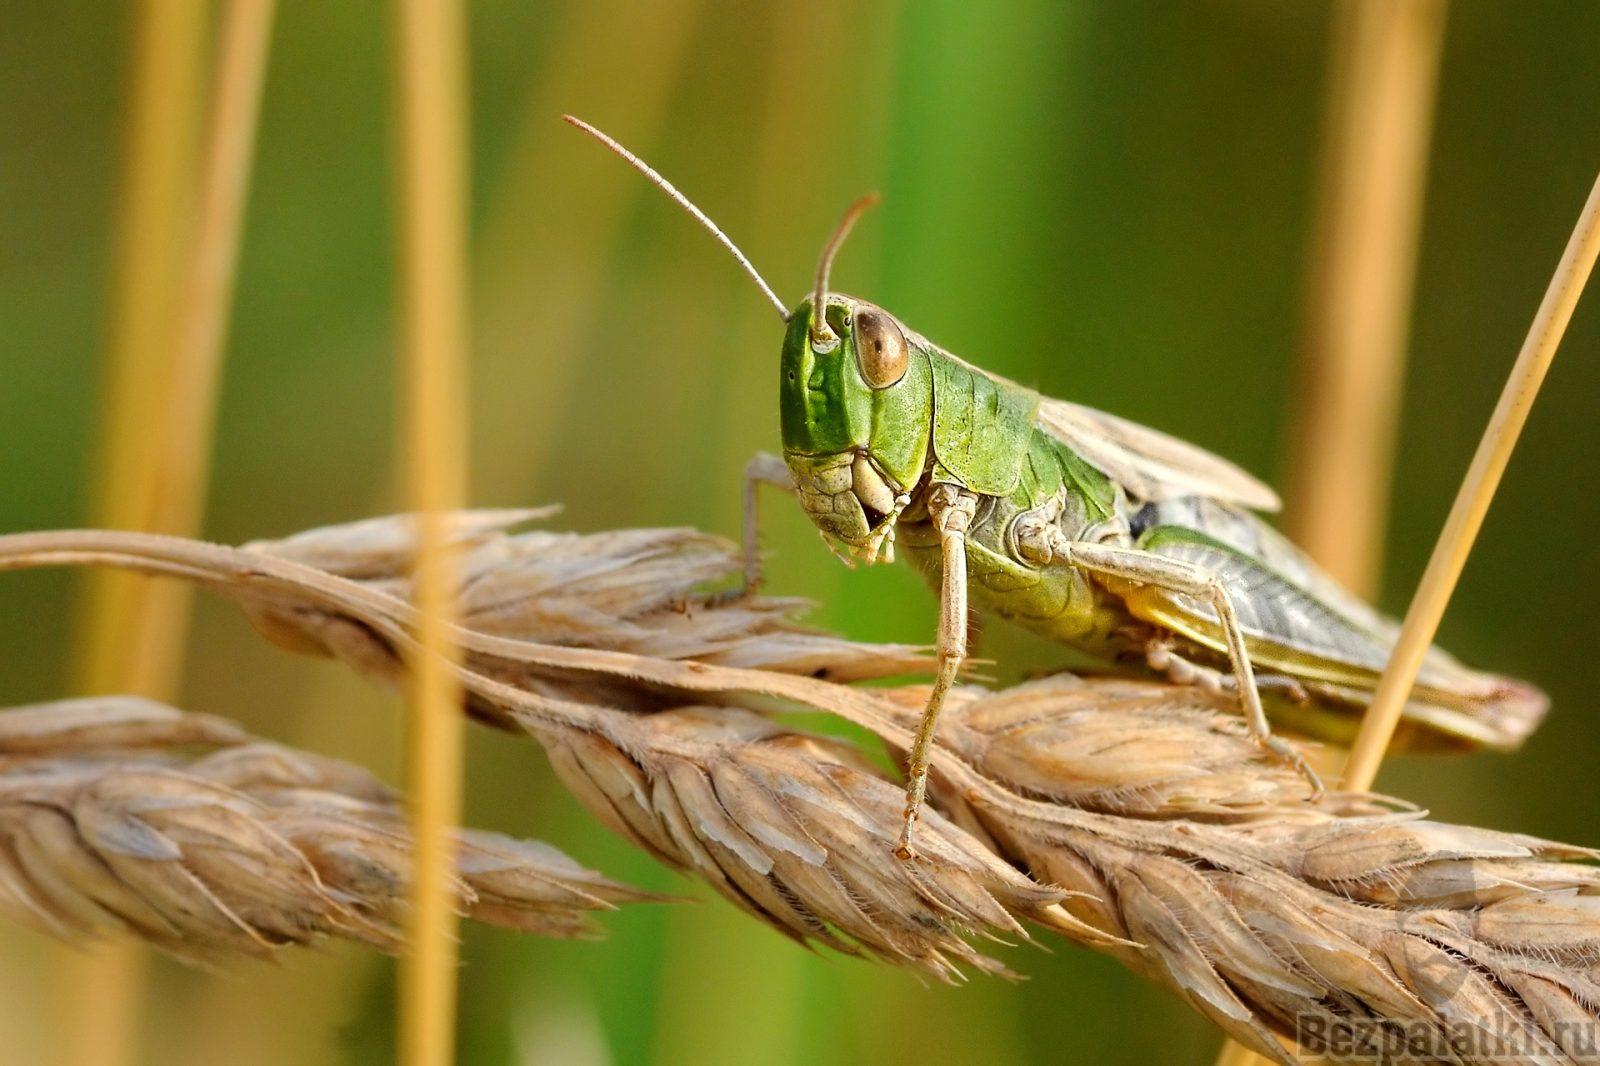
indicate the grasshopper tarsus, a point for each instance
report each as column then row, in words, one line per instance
column 1292, row 690
column 1290, row 756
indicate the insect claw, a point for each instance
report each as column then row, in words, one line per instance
column 1287, row 754
column 833, row 549
column 727, row 597
column 881, row 545
column 903, row 848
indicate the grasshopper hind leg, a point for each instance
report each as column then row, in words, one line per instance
column 1140, row 567
column 1163, row 659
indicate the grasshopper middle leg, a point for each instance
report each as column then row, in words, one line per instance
column 1147, row 568
column 951, row 509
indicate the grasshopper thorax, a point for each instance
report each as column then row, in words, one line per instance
column 857, row 414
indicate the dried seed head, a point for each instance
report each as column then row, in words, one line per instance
column 1130, row 747
column 239, row 851
column 1194, row 859
column 115, row 724
column 798, row 831
column 641, row 591
column 379, row 549
column 1270, row 915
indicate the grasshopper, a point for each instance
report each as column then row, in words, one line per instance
column 1133, row 546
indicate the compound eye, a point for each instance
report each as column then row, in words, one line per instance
column 880, row 348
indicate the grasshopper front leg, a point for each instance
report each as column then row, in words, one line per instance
column 764, row 468
column 1187, row 579
column 951, row 509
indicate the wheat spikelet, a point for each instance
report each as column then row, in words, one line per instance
column 111, row 824
column 795, row 829
column 1270, row 915
column 640, row 591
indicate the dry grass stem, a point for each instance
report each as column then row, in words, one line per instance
column 184, row 435
column 1383, row 74
column 1476, row 491
column 101, row 996
column 115, row 613
column 1380, row 112
column 120, row 816
column 430, row 99
column 173, row 296
column 1152, row 826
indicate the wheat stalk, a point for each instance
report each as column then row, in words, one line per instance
column 172, row 298
column 431, row 105
column 1151, row 826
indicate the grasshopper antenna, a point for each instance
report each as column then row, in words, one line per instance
column 822, row 335
column 684, row 202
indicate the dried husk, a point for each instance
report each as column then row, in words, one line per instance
column 121, row 822
column 639, row 591
column 1152, row 826
column 1270, row 914
column 797, row 830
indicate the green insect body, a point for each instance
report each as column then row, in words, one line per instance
column 1132, row 546
column 1320, row 650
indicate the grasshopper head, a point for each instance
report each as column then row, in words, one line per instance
column 857, row 392
column 857, row 412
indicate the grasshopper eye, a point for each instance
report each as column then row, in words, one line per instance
column 880, row 348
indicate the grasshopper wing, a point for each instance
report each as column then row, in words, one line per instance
column 1335, row 648
column 1149, row 465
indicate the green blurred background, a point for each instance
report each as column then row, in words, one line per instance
column 1109, row 200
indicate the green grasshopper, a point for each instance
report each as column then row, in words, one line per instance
column 1121, row 541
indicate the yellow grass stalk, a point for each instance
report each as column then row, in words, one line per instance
column 1477, row 489
column 153, row 218
column 187, row 426
column 171, row 309
column 1384, row 69
column 430, row 96
column 1383, row 74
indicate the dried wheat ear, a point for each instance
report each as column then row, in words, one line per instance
column 1134, row 818
column 123, row 816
